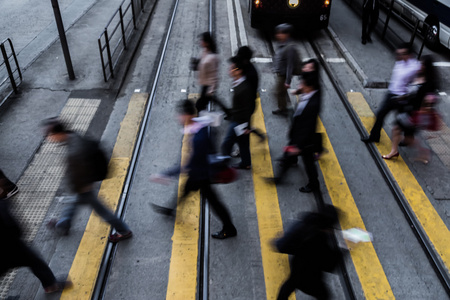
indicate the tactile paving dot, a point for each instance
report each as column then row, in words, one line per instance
column 41, row 180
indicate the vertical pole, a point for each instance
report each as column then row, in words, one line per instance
column 8, row 67
column 388, row 17
column 108, row 52
column 62, row 38
column 124, row 39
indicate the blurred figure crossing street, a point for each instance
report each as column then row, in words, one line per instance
column 86, row 164
column 15, row 253
column 308, row 241
column 371, row 11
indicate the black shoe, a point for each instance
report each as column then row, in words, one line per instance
column 363, row 41
column 163, row 210
column 282, row 112
column 274, row 180
column 224, row 234
column 307, row 189
column 14, row 190
column 368, row 139
column 369, row 39
column 241, row 167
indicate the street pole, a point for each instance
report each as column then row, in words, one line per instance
column 62, row 38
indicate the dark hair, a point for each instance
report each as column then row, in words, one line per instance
column 311, row 79
column 209, row 40
column 237, row 61
column 53, row 125
column 406, row 46
column 330, row 215
column 186, row 107
column 245, row 53
column 430, row 72
column 314, row 62
column 284, row 28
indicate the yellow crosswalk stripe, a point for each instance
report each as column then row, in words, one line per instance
column 426, row 214
column 275, row 265
column 370, row 272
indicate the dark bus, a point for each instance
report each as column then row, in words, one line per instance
column 307, row 14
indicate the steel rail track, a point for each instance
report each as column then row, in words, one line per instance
column 111, row 248
column 433, row 257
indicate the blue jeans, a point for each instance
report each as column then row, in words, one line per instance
column 64, row 223
column 243, row 142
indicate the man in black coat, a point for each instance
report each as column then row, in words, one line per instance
column 308, row 241
column 302, row 133
column 15, row 253
column 243, row 105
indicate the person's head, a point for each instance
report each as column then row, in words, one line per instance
column 283, row 32
column 207, row 41
column 245, row 53
column 429, row 71
column 329, row 216
column 403, row 52
column 311, row 65
column 186, row 111
column 54, row 130
column 236, row 70
column 308, row 82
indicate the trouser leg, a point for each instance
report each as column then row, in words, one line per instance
column 388, row 105
column 24, row 256
column 103, row 212
column 65, row 221
column 285, row 164
column 373, row 20
column 230, row 139
column 365, row 21
column 244, row 149
column 280, row 92
column 310, row 168
column 202, row 102
column 286, row 289
column 217, row 206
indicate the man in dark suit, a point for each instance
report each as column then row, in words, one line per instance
column 243, row 105
column 302, row 134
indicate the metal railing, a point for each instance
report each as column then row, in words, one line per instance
column 417, row 26
column 10, row 74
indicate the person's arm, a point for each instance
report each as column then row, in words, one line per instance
column 291, row 60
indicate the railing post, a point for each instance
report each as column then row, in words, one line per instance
column 413, row 36
column 15, row 58
column 108, row 51
column 101, row 57
column 124, row 40
column 134, row 14
column 425, row 28
column 388, row 17
column 8, row 67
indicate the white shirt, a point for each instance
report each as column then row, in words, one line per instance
column 402, row 75
column 304, row 99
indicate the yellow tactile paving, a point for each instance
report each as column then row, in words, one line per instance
column 275, row 265
column 429, row 219
column 87, row 260
column 368, row 267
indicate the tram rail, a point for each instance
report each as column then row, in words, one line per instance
column 437, row 265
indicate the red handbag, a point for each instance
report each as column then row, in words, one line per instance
column 427, row 120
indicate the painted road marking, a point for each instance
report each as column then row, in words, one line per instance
column 86, row 264
column 429, row 219
column 275, row 265
column 242, row 32
column 232, row 26
column 183, row 262
column 370, row 271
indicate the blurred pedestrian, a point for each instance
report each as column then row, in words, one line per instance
column 7, row 187
column 371, row 10
column 404, row 72
column 243, row 105
column 198, row 169
column 245, row 53
column 208, row 70
column 302, row 133
column 425, row 84
column 15, row 253
column 308, row 241
column 86, row 164
column 284, row 65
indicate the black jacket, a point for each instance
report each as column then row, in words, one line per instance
column 303, row 127
column 243, row 103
